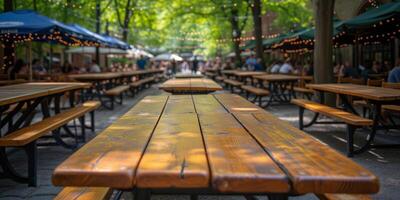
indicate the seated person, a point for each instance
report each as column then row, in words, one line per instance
column 20, row 68
column 394, row 74
column 38, row 68
column 94, row 68
column 286, row 68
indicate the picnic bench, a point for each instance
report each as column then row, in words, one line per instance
column 377, row 97
column 210, row 144
column 21, row 134
column 190, row 86
column 233, row 84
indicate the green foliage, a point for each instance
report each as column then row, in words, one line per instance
column 174, row 25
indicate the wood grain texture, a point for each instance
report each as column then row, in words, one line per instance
column 175, row 156
column 31, row 133
column 206, row 104
column 312, row 166
column 84, row 193
column 344, row 197
column 248, row 73
column 111, row 158
column 255, row 90
column 362, row 91
column 150, row 105
column 348, row 118
column 277, row 77
column 179, row 104
column 237, row 162
column 20, row 92
column 236, row 103
column 117, row 90
column 190, row 85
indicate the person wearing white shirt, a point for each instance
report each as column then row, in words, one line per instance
column 94, row 68
column 286, row 67
column 275, row 68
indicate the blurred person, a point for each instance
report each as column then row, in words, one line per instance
column 287, row 67
column 67, row 68
column 19, row 68
column 195, row 65
column 348, row 71
column 258, row 66
column 38, row 68
column 250, row 63
column 276, row 67
column 94, row 68
column 141, row 63
column 394, row 74
column 174, row 66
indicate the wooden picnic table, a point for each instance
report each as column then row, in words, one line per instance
column 280, row 86
column 18, row 105
column 210, row 144
column 375, row 96
column 190, row 85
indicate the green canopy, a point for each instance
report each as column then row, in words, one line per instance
column 373, row 16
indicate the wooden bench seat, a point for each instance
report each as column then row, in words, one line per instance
column 219, row 78
column 116, row 92
column 304, row 91
column 232, row 84
column 335, row 113
column 344, row 197
column 353, row 121
column 258, row 92
column 26, row 137
column 84, row 193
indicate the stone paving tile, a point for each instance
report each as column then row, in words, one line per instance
column 385, row 163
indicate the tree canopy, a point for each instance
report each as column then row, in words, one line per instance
column 206, row 26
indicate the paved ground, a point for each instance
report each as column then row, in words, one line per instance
column 385, row 163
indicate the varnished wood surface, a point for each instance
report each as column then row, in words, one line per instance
column 312, row 166
column 188, row 142
column 12, row 82
column 362, row 91
column 277, row 77
column 84, row 193
column 237, row 162
column 181, row 75
column 344, row 197
column 31, row 133
column 248, row 73
column 175, row 157
column 190, row 85
column 335, row 113
column 20, row 92
column 89, row 77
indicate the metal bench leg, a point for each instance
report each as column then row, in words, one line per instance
column 112, row 102
column 121, row 96
column 194, row 197
column 278, row 197
column 92, row 121
column 260, row 101
column 142, row 194
column 83, row 128
column 350, row 142
column 301, row 117
column 31, row 152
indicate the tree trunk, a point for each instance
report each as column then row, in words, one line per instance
column 98, row 13
column 236, row 34
column 256, row 9
column 323, row 68
column 128, row 14
column 9, row 48
column 34, row 3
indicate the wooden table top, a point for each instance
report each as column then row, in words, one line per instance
column 190, row 85
column 20, row 92
column 181, row 75
column 363, row 91
column 249, row 73
column 95, row 76
column 229, row 72
column 278, row 77
column 220, row 142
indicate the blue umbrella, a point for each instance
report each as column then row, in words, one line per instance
column 116, row 42
column 91, row 35
column 27, row 25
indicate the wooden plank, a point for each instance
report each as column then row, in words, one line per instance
column 20, row 92
column 175, row 156
column 84, row 193
column 362, row 91
column 236, row 103
column 150, row 105
column 111, row 158
column 238, row 164
column 278, row 77
column 206, row 104
column 179, row 104
column 311, row 166
column 95, row 76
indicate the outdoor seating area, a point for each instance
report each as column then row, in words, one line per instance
column 200, row 100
